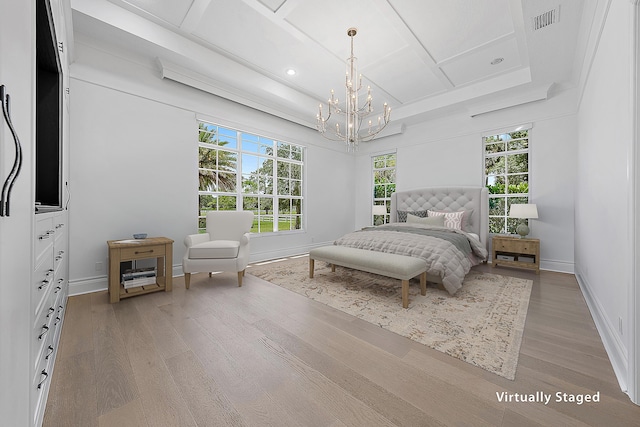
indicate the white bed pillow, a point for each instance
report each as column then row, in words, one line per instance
column 437, row 221
column 451, row 219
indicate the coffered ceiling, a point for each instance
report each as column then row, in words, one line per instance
column 422, row 57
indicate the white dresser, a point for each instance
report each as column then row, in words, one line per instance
column 49, row 290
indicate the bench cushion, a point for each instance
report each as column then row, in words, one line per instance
column 391, row 265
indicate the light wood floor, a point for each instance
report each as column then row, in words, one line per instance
column 260, row 355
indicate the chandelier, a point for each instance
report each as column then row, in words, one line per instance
column 354, row 116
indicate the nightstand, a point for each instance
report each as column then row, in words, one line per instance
column 516, row 252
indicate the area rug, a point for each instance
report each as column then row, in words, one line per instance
column 482, row 324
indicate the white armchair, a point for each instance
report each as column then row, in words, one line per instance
column 224, row 247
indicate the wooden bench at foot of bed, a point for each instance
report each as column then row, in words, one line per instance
column 390, row 265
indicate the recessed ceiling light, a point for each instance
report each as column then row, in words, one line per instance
column 496, row 61
column 291, row 72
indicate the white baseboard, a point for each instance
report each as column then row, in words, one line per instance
column 88, row 285
column 612, row 341
column 558, row 266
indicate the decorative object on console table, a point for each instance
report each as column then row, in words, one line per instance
column 524, row 212
column 160, row 248
column 516, row 252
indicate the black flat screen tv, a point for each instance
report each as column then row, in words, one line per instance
column 49, row 97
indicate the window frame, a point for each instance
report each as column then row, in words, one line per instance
column 503, row 201
column 272, row 190
column 390, row 187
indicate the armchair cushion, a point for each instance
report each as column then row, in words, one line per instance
column 214, row 249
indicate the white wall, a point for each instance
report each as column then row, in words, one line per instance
column 448, row 151
column 134, row 163
column 603, row 212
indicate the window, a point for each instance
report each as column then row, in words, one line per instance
column 384, row 184
column 506, row 175
column 242, row 171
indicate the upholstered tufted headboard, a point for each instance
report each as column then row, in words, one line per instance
column 453, row 199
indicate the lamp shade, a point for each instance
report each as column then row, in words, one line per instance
column 523, row 211
column 379, row 209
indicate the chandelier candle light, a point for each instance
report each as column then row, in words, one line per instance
column 354, row 115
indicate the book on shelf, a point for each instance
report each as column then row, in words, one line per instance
column 142, row 281
column 139, row 277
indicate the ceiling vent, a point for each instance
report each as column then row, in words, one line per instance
column 546, row 18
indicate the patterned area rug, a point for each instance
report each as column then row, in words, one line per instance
column 481, row 324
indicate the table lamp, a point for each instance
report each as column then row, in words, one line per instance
column 379, row 210
column 523, row 211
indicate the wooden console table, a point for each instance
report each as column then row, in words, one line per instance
column 511, row 252
column 160, row 248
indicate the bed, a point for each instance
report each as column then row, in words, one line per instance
column 450, row 247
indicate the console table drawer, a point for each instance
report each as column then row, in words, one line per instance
column 142, row 252
column 516, row 246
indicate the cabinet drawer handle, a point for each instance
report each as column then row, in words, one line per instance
column 44, row 236
column 43, row 284
column 44, row 379
column 61, row 280
column 49, row 272
column 51, row 311
column 57, row 321
column 57, row 289
column 144, row 252
column 60, row 225
column 45, row 329
column 50, row 348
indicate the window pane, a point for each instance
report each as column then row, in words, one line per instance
column 283, row 187
column 207, row 180
column 266, row 205
column 494, row 165
column 496, row 184
column 519, row 144
column 284, row 150
column 296, row 171
column 228, row 137
column 379, row 191
column 496, row 225
column 494, row 148
column 207, row 203
column 391, row 188
column 226, row 182
column 266, row 224
column 227, row 203
column 249, row 163
column 296, row 152
column 518, row 183
column 518, row 163
column 284, row 170
column 207, row 158
column 497, row 206
column 284, row 206
column 250, row 204
column 296, row 188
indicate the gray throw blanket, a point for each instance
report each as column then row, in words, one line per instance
column 449, row 253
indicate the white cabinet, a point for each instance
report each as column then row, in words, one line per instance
column 48, row 302
column 33, row 248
